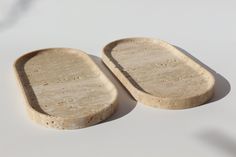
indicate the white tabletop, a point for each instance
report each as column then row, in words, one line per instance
column 205, row 29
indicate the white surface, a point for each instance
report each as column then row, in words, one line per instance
column 206, row 29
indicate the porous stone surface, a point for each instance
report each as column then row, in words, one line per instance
column 65, row 89
column 158, row 74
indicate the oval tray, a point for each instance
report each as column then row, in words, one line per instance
column 64, row 88
column 157, row 74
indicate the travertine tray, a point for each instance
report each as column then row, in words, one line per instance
column 157, row 74
column 64, row 88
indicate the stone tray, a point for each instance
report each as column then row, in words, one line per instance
column 157, row 74
column 64, row 88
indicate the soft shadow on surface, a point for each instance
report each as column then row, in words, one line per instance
column 125, row 101
column 222, row 85
column 15, row 13
column 219, row 140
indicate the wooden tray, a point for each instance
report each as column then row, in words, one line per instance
column 64, row 88
column 157, row 74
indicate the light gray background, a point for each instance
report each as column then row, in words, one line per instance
column 204, row 28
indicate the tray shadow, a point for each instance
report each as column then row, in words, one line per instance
column 222, row 85
column 126, row 103
column 219, row 140
column 17, row 10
